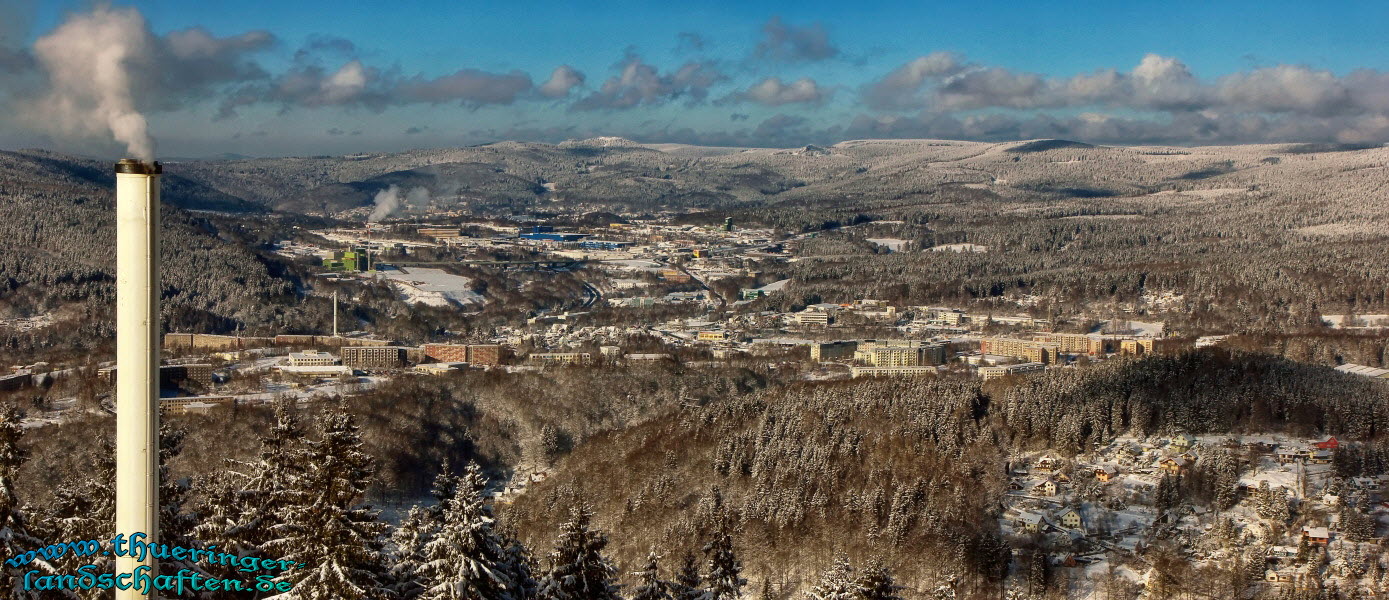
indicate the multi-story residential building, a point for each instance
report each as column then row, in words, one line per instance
column 1079, row 343
column 1028, row 350
column 1144, row 346
column 823, row 351
column 374, row 357
column 560, row 358
column 857, row 371
column 989, row 373
column 476, row 354
column 900, row 353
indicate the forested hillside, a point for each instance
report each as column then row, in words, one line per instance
column 913, row 469
column 57, row 255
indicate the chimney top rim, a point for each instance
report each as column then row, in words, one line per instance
column 131, row 166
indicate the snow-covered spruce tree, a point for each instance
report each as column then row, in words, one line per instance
column 649, row 583
column 725, row 580
column 415, row 532
column 409, row 540
column 337, row 541
column 688, row 584
column 836, row 583
column 467, row 559
column 523, row 567
column 875, row 582
column 85, row 510
column 15, row 537
column 243, row 507
column 176, row 525
column 578, row 569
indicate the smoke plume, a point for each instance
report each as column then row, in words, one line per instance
column 89, row 60
column 389, row 200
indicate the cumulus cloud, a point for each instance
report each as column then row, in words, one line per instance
column 469, row 87
column 901, row 88
column 355, row 84
column 789, row 43
column 773, row 92
column 563, row 79
column 946, row 83
column 1182, row 128
column 640, row 84
column 780, row 127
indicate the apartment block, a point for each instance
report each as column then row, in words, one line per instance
column 476, row 354
column 824, row 351
column 989, row 373
column 374, row 357
column 900, row 353
column 1028, row 350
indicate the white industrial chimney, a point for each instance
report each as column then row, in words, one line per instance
column 137, row 358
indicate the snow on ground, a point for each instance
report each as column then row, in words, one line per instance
column 1341, row 229
column 635, row 264
column 432, row 287
column 892, row 244
column 1139, row 328
column 775, row 286
column 1339, row 321
column 959, row 248
column 1212, row 193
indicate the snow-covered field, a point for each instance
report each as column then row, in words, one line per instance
column 432, row 287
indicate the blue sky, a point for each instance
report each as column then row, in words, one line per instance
column 453, row 73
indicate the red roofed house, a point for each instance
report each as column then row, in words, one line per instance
column 1330, row 443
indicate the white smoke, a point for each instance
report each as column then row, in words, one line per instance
column 89, row 60
column 389, row 200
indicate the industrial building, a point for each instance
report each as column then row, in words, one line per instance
column 554, row 237
column 311, row 359
column 712, row 336
column 439, row 233
column 604, row 245
column 354, row 260
column 374, row 357
column 314, row 372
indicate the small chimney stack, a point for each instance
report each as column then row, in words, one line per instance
column 137, row 359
